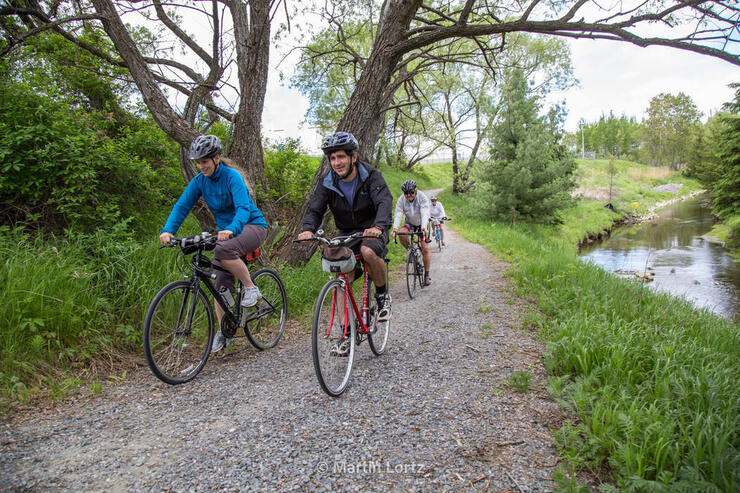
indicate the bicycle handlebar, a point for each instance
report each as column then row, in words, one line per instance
column 337, row 240
column 205, row 240
column 406, row 233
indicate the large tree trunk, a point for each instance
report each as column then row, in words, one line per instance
column 252, row 48
column 364, row 115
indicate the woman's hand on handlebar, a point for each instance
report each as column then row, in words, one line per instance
column 225, row 235
column 165, row 238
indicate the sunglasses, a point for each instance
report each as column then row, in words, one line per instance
column 409, row 193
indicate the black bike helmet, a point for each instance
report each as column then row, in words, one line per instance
column 205, row 146
column 408, row 186
column 340, row 141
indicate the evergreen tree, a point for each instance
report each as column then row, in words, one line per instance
column 727, row 189
column 530, row 174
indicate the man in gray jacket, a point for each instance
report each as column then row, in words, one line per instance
column 414, row 206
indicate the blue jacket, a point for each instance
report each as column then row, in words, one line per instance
column 226, row 195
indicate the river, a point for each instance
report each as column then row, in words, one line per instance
column 672, row 248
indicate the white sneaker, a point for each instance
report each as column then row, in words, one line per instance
column 384, row 306
column 340, row 348
column 251, row 296
column 220, row 342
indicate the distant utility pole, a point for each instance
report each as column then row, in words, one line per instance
column 582, row 123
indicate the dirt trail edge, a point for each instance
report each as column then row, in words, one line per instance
column 434, row 412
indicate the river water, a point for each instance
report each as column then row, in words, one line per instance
column 683, row 262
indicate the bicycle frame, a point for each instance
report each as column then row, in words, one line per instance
column 204, row 276
column 349, row 296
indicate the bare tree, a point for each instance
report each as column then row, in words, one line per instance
column 199, row 70
column 406, row 29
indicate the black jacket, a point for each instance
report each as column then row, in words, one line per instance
column 373, row 204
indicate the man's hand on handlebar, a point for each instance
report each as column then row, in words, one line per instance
column 305, row 235
column 165, row 238
column 373, row 231
column 394, row 233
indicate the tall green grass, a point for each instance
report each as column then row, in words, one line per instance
column 67, row 299
column 653, row 381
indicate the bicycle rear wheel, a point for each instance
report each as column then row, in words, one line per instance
column 333, row 369
column 178, row 332
column 411, row 280
column 272, row 310
column 378, row 331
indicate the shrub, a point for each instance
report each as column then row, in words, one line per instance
column 60, row 167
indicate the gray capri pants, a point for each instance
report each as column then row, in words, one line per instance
column 249, row 240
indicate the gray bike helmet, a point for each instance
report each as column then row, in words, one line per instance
column 205, row 146
column 433, row 197
column 408, row 186
column 340, row 141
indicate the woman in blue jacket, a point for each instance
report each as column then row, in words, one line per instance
column 241, row 226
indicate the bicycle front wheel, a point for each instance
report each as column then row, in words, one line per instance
column 411, row 273
column 420, row 273
column 271, row 310
column 333, row 353
column 438, row 235
column 178, row 332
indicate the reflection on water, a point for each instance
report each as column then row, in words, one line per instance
column 683, row 263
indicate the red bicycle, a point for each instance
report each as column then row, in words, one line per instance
column 339, row 324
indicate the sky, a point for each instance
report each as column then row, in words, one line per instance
column 614, row 76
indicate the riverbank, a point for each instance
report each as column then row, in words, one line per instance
column 650, row 381
column 618, row 193
column 628, row 218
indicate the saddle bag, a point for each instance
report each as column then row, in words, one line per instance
column 337, row 259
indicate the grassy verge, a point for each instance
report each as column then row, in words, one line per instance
column 651, row 380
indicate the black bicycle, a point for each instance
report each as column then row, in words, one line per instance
column 179, row 324
column 414, row 262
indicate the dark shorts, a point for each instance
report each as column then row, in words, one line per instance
column 248, row 241
column 379, row 245
column 410, row 227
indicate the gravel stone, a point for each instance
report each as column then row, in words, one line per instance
column 433, row 412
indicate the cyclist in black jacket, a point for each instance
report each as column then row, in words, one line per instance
column 360, row 201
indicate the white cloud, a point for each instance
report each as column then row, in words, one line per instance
column 622, row 78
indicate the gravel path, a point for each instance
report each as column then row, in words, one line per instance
column 434, row 412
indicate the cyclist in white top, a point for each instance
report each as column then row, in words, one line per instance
column 414, row 206
column 436, row 211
